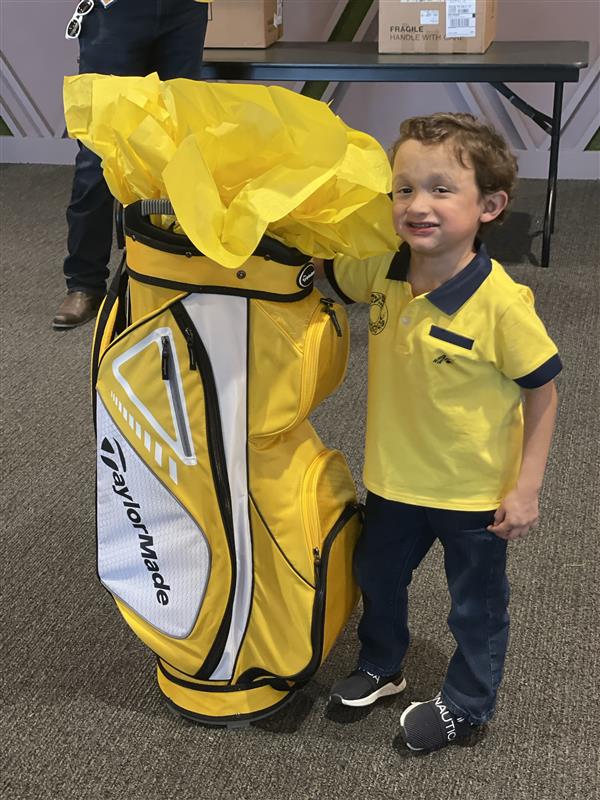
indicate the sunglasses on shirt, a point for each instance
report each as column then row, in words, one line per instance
column 74, row 26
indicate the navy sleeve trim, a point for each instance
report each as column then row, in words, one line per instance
column 541, row 375
column 330, row 275
column 450, row 336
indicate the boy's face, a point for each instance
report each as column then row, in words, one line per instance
column 437, row 205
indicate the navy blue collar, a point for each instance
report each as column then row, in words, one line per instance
column 450, row 296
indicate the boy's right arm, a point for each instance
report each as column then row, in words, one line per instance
column 351, row 279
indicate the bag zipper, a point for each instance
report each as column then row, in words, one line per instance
column 310, row 514
column 330, row 310
column 169, row 377
column 314, row 334
column 320, row 561
column 200, row 358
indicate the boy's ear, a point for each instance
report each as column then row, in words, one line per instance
column 493, row 205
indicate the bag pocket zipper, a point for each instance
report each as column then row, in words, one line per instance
column 323, row 315
column 169, row 376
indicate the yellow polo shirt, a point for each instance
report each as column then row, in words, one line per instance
column 446, row 368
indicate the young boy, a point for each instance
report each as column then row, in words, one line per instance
column 461, row 409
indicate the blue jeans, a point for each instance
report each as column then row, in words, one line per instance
column 129, row 37
column 395, row 539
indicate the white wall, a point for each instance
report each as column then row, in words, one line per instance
column 35, row 56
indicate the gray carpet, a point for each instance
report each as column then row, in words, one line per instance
column 82, row 716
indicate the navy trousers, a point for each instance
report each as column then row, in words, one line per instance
column 129, row 37
column 395, row 539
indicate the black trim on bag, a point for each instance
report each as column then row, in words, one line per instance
column 163, row 283
column 328, row 267
column 218, row 464
column 317, row 631
column 116, row 293
column 233, row 719
column 234, row 687
column 450, row 336
column 139, row 228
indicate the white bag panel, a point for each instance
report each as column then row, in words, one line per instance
column 221, row 322
column 152, row 555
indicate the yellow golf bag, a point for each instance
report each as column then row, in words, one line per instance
column 225, row 527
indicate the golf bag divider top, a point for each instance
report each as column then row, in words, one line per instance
column 225, row 527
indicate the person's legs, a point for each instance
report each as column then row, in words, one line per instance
column 395, row 539
column 117, row 41
column 89, row 218
column 177, row 50
column 475, row 562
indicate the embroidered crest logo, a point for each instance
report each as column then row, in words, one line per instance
column 378, row 314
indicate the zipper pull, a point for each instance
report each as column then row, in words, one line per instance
column 328, row 309
column 317, row 563
column 164, row 361
column 189, row 337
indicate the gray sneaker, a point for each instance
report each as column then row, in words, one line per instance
column 361, row 688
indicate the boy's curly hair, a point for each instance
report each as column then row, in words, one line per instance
column 475, row 144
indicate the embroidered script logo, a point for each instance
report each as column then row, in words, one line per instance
column 378, row 313
column 443, row 359
column 112, row 456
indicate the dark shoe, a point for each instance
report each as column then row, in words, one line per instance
column 76, row 309
column 362, row 688
column 430, row 726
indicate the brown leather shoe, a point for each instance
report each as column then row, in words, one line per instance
column 76, row 309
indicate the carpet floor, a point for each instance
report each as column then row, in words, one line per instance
column 82, row 715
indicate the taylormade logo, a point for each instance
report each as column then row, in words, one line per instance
column 112, row 456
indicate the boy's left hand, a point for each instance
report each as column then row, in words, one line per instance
column 516, row 515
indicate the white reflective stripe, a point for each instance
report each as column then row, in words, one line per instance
column 173, row 384
column 221, row 322
column 152, row 554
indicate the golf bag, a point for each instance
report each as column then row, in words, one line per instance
column 225, row 527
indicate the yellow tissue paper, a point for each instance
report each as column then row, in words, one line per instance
column 237, row 161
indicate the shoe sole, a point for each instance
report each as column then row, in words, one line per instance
column 57, row 326
column 403, row 729
column 385, row 691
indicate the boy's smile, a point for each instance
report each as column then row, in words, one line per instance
column 437, row 205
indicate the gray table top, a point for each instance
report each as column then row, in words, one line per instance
column 360, row 61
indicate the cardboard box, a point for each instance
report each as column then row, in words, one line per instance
column 244, row 23
column 431, row 26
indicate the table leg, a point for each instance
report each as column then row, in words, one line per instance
column 552, row 174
